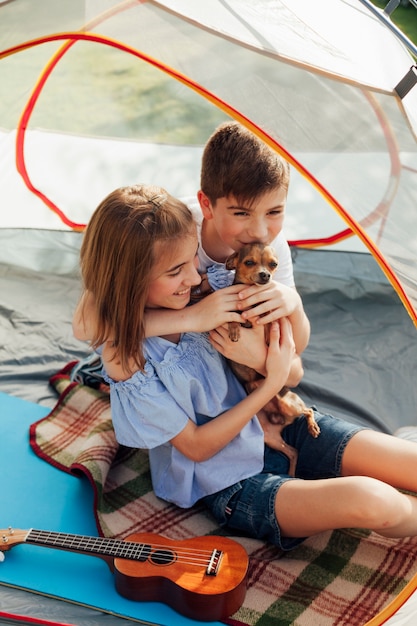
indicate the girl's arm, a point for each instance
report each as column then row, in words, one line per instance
column 215, row 309
column 199, row 443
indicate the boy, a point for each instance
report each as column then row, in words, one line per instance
column 244, row 186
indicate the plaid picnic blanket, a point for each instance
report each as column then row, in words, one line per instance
column 342, row 578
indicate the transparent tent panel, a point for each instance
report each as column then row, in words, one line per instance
column 112, row 111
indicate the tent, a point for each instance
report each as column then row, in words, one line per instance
column 96, row 94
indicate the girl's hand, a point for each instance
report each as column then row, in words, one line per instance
column 268, row 302
column 214, row 310
column 250, row 350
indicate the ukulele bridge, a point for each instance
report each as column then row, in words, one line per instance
column 214, row 563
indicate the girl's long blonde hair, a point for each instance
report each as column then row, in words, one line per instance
column 117, row 256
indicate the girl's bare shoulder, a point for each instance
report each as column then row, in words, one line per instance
column 113, row 366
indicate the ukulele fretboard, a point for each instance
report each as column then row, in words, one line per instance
column 92, row 545
column 157, row 554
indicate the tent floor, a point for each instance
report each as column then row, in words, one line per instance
column 360, row 363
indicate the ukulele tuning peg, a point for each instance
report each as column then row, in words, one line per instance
column 2, row 557
column 5, row 537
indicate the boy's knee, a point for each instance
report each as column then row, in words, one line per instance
column 378, row 505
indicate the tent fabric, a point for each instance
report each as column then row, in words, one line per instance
column 330, row 105
column 97, row 94
column 359, row 364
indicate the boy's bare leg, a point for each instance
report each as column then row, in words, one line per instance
column 388, row 458
column 362, row 498
column 307, row 507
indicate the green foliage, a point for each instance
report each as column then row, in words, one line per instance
column 404, row 16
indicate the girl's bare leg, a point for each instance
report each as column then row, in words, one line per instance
column 364, row 497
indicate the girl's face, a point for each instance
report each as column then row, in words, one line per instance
column 174, row 274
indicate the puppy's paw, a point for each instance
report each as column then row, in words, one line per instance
column 313, row 427
column 234, row 331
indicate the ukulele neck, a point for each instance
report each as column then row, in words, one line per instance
column 95, row 546
column 110, row 549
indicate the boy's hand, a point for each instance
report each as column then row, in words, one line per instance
column 275, row 301
column 268, row 302
column 212, row 311
column 250, row 350
column 215, row 309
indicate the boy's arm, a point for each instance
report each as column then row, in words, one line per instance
column 300, row 326
column 214, row 310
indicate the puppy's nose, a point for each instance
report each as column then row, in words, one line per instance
column 264, row 277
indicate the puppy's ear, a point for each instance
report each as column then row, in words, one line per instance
column 231, row 261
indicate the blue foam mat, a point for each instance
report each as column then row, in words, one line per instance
column 36, row 495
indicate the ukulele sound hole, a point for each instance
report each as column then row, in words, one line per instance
column 162, row 557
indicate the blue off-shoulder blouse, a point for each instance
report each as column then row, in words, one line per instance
column 188, row 380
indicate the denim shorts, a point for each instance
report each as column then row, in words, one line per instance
column 249, row 505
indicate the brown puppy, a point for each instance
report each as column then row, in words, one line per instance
column 255, row 264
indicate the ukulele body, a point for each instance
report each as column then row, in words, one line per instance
column 186, row 587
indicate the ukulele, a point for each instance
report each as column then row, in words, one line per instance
column 202, row 578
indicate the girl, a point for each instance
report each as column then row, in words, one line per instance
column 175, row 395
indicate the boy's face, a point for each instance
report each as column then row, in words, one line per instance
column 237, row 224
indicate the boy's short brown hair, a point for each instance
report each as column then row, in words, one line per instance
column 237, row 163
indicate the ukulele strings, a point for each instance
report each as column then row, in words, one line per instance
column 119, row 548
column 189, row 556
